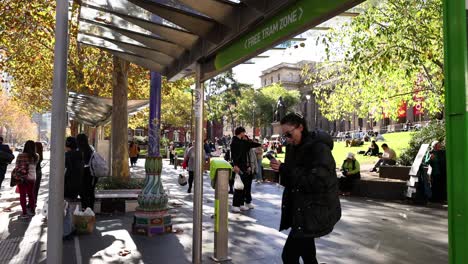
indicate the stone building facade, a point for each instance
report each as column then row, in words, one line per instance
column 289, row 75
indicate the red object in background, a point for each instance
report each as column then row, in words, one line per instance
column 402, row 110
column 418, row 106
column 418, row 109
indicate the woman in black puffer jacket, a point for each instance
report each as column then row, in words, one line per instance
column 310, row 206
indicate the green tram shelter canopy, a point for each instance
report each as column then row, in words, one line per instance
column 205, row 37
column 170, row 37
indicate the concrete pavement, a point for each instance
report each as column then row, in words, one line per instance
column 370, row 232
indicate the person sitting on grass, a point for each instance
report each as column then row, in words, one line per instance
column 388, row 158
column 373, row 149
column 351, row 170
column 354, row 142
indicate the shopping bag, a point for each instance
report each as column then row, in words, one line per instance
column 84, row 221
column 238, row 184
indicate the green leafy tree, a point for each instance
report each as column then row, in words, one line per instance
column 222, row 95
column 175, row 102
column 17, row 123
column 435, row 131
column 383, row 57
column 27, row 44
column 268, row 97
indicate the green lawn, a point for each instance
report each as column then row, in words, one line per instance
column 397, row 141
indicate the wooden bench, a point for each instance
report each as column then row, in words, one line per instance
column 394, row 172
column 116, row 201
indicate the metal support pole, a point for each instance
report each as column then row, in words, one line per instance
column 57, row 159
column 221, row 234
column 199, row 162
column 456, row 108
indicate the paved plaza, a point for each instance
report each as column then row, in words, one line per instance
column 370, row 231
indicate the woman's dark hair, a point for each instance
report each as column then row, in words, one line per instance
column 39, row 150
column 83, row 146
column 30, row 149
column 295, row 119
column 70, row 142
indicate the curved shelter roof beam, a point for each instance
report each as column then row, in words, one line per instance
column 153, row 55
column 218, row 10
column 130, row 37
column 201, row 25
column 97, row 111
column 133, row 22
column 146, row 63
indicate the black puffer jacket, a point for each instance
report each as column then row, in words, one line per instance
column 240, row 152
column 74, row 167
column 311, row 206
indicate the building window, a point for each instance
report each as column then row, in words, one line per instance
column 279, row 77
column 264, row 82
column 271, row 79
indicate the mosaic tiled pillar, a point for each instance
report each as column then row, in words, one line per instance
column 151, row 217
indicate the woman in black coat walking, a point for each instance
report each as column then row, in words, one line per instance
column 310, row 205
column 89, row 182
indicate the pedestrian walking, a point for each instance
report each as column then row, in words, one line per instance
column 189, row 159
column 74, row 167
column 240, row 149
column 310, row 205
column 5, row 160
column 259, row 157
column 172, row 152
column 40, row 153
column 88, row 181
column 133, row 152
column 26, row 162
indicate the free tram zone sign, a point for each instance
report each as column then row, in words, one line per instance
column 294, row 19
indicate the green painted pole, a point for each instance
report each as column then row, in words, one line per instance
column 456, row 70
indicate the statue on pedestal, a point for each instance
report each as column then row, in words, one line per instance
column 280, row 110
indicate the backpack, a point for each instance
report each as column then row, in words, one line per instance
column 20, row 172
column 98, row 166
column 6, row 157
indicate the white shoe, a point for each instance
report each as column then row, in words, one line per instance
column 235, row 209
column 250, row 206
column 244, row 208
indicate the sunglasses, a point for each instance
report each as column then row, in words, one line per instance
column 288, row 134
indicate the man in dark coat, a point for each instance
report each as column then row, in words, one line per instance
column 7, row 158
column 240, row 149
column 310, row 205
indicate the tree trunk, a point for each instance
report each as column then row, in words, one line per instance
column 119, row 135
column 73, row 128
